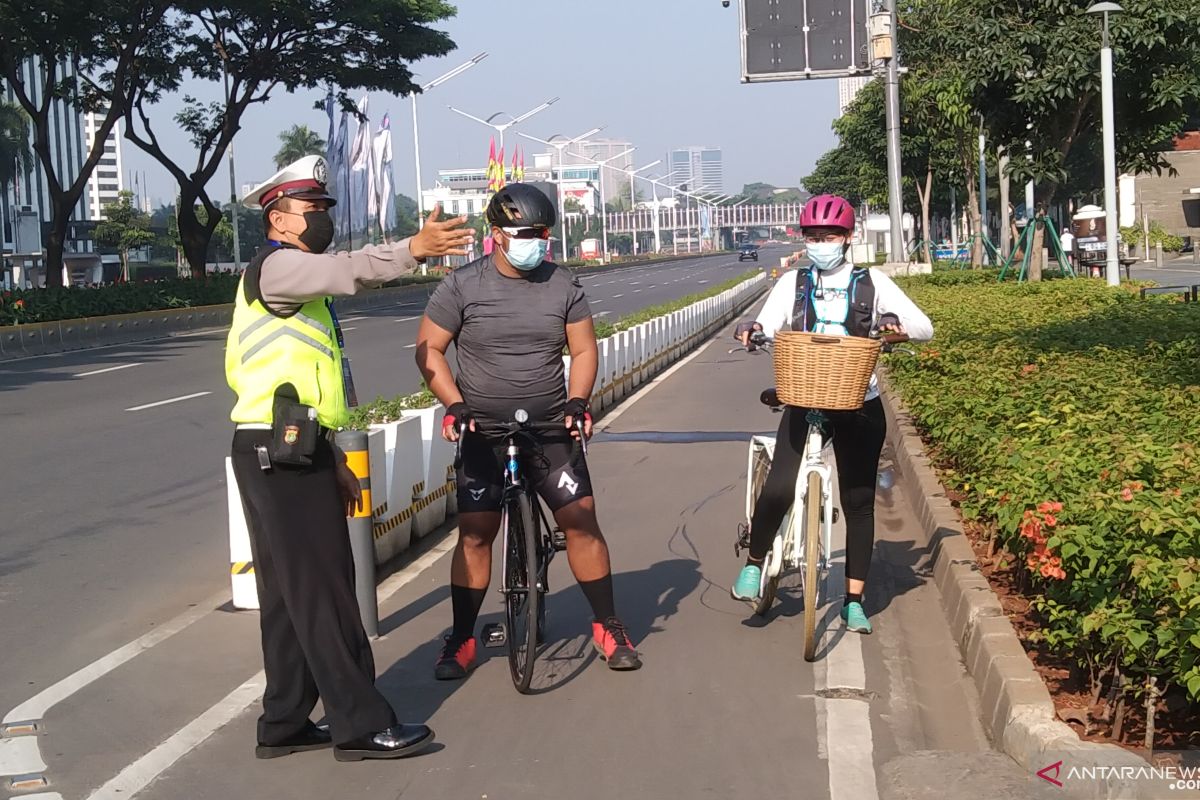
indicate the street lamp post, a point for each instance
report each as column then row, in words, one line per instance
column 633, row 197
column 501, row 127
column 560, row 143
column 1113, row 273
column 602, row 163
column 460, row 69
column 233, row 203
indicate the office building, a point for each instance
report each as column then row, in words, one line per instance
column 848, row 89
column 465, row 191
column 26, row 201
column 700, row 168
column 106, row 182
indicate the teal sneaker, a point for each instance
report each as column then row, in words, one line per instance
column 855, row 618
column 748, row 583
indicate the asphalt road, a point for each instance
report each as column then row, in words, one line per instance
column 114, row 507
column 725, row 705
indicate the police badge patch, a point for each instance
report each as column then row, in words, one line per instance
column 291, row 434
column 321, row 172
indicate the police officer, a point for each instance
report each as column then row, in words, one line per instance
column 284, row 361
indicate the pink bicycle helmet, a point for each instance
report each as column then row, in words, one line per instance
column 827, row 211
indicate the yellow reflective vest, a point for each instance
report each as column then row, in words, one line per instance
column 265, row 350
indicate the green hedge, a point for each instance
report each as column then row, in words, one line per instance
column 387, row 409
column 46, row 305
column 1068, row 416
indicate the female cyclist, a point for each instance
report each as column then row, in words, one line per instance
column 832, row 296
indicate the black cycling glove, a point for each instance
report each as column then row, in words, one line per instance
column 577, row 408
column 458, row 415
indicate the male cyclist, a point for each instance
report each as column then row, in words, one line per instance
column 833, row 296
column 510, row 314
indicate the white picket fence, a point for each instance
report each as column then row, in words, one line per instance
column 415, row 496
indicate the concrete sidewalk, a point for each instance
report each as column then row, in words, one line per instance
column 724, row 706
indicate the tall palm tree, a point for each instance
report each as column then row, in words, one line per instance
column 16, row 157
column 298, row 141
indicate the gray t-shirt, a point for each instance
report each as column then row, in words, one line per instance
column 509, row 335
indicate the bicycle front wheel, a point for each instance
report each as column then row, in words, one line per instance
column 812, row 562
column 523, row 600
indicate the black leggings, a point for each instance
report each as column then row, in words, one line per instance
column 857, row 443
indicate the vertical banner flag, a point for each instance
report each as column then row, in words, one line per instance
column 500, row 178
column 383, row 173
column 363, row 197
column 521, row 169
column 516, row 178
column 491, row 167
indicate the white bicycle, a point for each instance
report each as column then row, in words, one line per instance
column 803, row 542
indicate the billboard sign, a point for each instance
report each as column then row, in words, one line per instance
column 787, row 40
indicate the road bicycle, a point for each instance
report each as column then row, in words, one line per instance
column 529, row 545
column 803, row 542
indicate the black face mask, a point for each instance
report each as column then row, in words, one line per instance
column 318, row 233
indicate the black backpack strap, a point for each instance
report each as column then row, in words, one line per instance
column 860, row 315
column 802, row 316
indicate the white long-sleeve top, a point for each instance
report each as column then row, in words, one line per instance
column 833, row 306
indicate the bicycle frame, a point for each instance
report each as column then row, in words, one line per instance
column 788, row 549
column 514, row 481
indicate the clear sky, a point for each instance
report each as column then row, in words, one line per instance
column 659, row 73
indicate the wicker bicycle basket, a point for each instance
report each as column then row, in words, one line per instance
column 827, row 372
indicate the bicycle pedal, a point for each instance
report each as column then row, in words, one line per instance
column 494, row 635
column 559, row 538
column 742, row 542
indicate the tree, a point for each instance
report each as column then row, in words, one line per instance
column 108, row 46
column 125, row 228
column 298, row 141
column 1031, row 68
column 267, row 46
column 620, row 197
column 406, row 217
column 16, row 158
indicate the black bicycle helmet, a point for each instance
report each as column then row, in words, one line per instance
column 519, row 205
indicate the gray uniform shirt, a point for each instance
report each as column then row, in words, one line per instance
column 290, row 278
column 509, row 335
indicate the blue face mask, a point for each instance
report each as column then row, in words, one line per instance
column 526, row 254
column 827, row 256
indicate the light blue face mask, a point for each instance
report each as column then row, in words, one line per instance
column 526, row 254
column 827, row 256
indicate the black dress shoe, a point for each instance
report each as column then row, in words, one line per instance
column 397, row 741
column 315, row 737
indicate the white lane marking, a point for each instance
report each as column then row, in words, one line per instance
column 406, row 319
column 137, row 775
column 635, row 283
column 15, row 757
column 209, row 332
column 635, row 291
column 106, row 369
column 42, row 796
column 140, row 773
column 603, row 313
column 593, row 302
column 351, row 328
column 702, row 281
column 166, row 402
column 851, row 767
column 615, row 296
column 350, row 319
column 410, row 346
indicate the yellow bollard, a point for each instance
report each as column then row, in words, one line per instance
column 361, row 525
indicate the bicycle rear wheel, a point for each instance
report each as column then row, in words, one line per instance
column 812, row 562
column 523, row 600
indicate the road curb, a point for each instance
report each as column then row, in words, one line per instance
column 87, row 333
column 1015, row 705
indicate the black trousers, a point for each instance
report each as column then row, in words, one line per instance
column 857, row 443
column 312, row 635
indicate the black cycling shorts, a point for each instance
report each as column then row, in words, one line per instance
column 556, row 470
